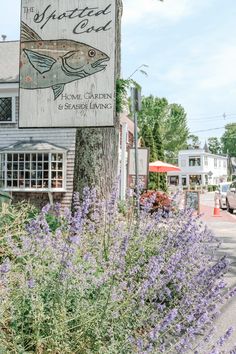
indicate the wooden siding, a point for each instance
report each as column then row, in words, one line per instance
column 10, row 134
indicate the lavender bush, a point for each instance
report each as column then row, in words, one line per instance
column 98, row 281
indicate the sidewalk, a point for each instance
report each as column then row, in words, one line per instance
column 207, row 207
column 224, row 228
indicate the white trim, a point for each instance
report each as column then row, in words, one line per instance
column 42, row 190
column 6, row 86
column 37, row 152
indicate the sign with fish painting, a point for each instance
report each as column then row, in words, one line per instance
column 67, row 63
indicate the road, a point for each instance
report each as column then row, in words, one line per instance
column 224, row 228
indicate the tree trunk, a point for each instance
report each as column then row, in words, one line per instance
column 97, row 149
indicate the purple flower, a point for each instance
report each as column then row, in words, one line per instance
column 31, row 283
column 5, row 267
column 225, row 337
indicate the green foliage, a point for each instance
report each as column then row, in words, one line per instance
column 122, row 86
column 214, row 145
column 212, row 188
column 13, row 220
column 102, row 283
column 121, row 94
column 148, row 141
column 229, row 140
column 193, row 142
column 172, row 124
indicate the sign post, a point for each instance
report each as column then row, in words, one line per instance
column 136, row 107
column 143, row 168
column 67, row 63
column 123, row 169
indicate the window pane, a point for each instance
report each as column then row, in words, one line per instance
column 15, row 166
column 59, row 166
column 9, row 157
column 54, row 157
column 27, row 157
column 5, row 109
column 27, row 183
column 33, row 157
column 54, row 166
column 59, row 157
column 40, row 166
column 45, row 157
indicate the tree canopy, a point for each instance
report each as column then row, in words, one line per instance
column 172, row 122
column 229, row 140
column 214, row 145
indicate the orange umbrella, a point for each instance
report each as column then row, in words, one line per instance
column 162, row 167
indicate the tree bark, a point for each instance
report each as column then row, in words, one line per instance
column 97, row 149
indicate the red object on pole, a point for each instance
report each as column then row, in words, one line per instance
column 162, row 167
column 216, row 212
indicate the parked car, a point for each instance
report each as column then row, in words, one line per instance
column 221, row 192
column 231, row 198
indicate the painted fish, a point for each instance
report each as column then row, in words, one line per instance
column 55, row 63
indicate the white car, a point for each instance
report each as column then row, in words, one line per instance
column 221, row 193
column 231, row 198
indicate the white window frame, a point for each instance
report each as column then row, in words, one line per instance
column 13, row 107
column 50, row 188
column 195, row 158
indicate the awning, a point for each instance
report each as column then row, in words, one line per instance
column 162, row 167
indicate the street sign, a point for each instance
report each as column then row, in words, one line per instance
column 67, row 63
column 143, row 170
column 192, row 200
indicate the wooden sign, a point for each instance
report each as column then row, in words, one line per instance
column 67, row 63
column 192, row 200
column 143, row 170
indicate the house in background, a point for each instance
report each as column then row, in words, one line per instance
column 35, row 164
column 199, row 167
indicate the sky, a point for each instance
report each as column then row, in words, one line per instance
column 189, row 47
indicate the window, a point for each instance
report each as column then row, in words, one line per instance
column 215, row 163
column 7, row 109
column 225, row 164
column 194, row 161
column 34, row 170
column 219, row 163
column 174, row 180
column 206, row 160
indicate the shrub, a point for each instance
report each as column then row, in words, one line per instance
column 98, row 282
column 156, row 200
column 13, row 220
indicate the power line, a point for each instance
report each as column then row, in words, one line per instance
column 224, row 115
column 210, row 119
column 206, row 130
